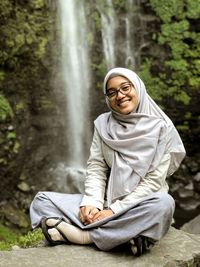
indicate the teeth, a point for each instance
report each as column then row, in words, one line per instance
column 123, row 102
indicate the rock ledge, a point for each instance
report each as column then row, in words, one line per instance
column 178, row 248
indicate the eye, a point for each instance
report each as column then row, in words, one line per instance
column 125, row 88
column 111, row 93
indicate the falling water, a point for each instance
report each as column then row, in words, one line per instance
column 130, row 59
column 118, row 48
column 108, row 26
column 76, row 76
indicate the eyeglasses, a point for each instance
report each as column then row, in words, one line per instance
column 123, row 89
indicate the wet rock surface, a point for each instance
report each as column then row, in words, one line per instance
column 177, row 248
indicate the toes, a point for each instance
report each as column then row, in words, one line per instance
column 134, row 250
column 51, row 222
column 55, row 235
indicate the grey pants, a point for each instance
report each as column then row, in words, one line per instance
column 150, row 217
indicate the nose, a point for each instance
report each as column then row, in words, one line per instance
column 119, row 95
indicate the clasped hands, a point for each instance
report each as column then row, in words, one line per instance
column 90, row 214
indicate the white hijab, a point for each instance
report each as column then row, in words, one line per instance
column 139, row 139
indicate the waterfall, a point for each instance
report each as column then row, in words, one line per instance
column 76, row 76
column 118, row 40
column 130, row 59
column 108, row 26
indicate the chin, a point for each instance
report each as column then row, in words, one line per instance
column 127, row 111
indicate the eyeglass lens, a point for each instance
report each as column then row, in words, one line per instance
column 124, row 89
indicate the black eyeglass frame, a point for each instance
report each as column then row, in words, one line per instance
column 116, row 91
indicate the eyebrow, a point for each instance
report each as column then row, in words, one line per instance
column 111, row 88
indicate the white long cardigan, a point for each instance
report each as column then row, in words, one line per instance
column 99, row 164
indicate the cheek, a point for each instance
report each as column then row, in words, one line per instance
column 135, row 98
column 113, row 105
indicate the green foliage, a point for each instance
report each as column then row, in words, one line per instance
column 16, row 147
column 25, row 37
column 168, row 9
column 46, row 104
column 178, row 73
column 97, row 20
column 20, row 106
column 5, row 108
column 6, row 6
column 31, row 239
column 6, row 234
column 37, row 4
column 25, row 28
column 119, row 4
column 193, row 9
column 9, row 238
column 11, row 135
column 2, row 76
column 100, row 68
column 154, row 85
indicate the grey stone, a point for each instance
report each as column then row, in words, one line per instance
column 193, row 226
column 24, row 187
column 197, row 182
column 15, row 216
column 177, row 248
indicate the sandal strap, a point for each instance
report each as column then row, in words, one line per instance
column 62, row 234
column 55, row 226
column 45, row 228
column 142, row 244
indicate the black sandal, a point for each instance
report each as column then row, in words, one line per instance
column 142, row 245
column 45, row 229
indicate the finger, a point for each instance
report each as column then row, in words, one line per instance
column 84, row 214
column 85, row 211
column 82, row 219
column 81, row 212
column 102, row 214
column 97, row 219
column 97, row 216
column 93, row 212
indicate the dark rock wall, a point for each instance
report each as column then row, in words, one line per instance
column 32, row 136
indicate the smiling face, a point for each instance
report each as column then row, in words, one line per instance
column 121, row 103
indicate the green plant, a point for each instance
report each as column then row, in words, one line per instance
column 7, row 238
column 31, row 239
column 10, row 238
column 5, row 108
column 179, row 70
column 154, row 85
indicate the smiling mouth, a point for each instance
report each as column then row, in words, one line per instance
column 121, row 103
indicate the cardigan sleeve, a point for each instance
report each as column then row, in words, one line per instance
column 154, row 181
column 96, row 175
